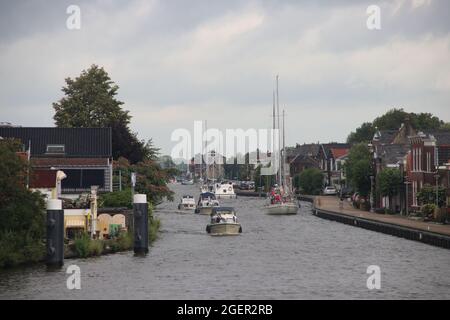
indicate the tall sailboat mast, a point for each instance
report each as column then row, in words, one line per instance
column 206, row 151
column 284, row 155
column 273, row 134
column 280, row 168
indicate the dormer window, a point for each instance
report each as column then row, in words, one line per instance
column 55, row 149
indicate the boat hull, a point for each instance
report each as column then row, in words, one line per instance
column 281, row 209
column 225, row 196
column 185, row 207
column 224, row 229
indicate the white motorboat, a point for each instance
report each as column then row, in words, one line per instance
column 187, row 202
column 223, row 222
column 224, row 190
column 187, row 182
column 206, row 202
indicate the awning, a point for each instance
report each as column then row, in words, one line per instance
column 75, row 224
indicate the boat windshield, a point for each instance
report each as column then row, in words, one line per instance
column 222, row 211
column 207, row 195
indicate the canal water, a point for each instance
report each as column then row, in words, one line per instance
column 276, row 257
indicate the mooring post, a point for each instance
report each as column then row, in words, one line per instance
column 140, row 214
column 55, row 233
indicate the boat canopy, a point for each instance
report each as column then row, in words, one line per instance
column 206, row 195
column 222, row 210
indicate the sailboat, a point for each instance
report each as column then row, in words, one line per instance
column 280, row 200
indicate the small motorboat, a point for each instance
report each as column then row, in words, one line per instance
column 223, row 222
column 224, row 190
column 187, row 182
column 187, row 202
column 206, row 202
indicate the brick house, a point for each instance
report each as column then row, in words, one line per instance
column 84, row 154
column 428, row 158
column 302, row 157
column 328, row 155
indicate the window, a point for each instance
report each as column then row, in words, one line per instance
column 55, row 148
column 83, row 179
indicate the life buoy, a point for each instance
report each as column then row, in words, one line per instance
column 229, row 189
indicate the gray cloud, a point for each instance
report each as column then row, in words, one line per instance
column 180, row 61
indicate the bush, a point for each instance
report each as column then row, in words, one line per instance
column 82, row 245
column 116, row 199
column 125, row 241
column 310, row 181
column 22, row 215
column 153, row 228
column 95, row 247
column 19, row 248
column 428, row 209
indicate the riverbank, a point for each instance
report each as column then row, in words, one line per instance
column 84, row 247
column 427, row 232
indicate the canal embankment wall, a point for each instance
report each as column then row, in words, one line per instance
column 428, row 237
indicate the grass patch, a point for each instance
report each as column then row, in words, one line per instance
column 153, row 228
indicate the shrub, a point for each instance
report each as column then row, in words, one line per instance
column 153, row 228
column 125, row 241
column 82, row 245
column 428, row 209
column 22, row 212
column 310, row 181
column 116, row 199
column 95, row 247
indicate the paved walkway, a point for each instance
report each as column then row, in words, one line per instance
column 332, row 204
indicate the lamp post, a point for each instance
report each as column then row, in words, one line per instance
column 371, row 194
column 436, row 176
column 372, row 176
column 407, row 183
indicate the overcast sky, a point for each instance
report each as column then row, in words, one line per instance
column 180, row 61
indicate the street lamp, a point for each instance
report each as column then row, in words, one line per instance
column 436, row 176
column 371, row 194
column 407, row 183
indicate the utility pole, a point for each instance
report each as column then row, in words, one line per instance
column 120, row 180
column 437, row 187
column 407, row 183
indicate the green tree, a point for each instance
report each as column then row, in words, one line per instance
column 445, row 126
column 392, row 120
column 90, row 101
column 150, row 179
column 310, row 181
column 388, row 183
column 359, row 168
column 22, row 214
column 362, row 134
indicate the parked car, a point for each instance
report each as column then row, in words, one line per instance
column 244, row 185
column 329, row 190
column 247, row 185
